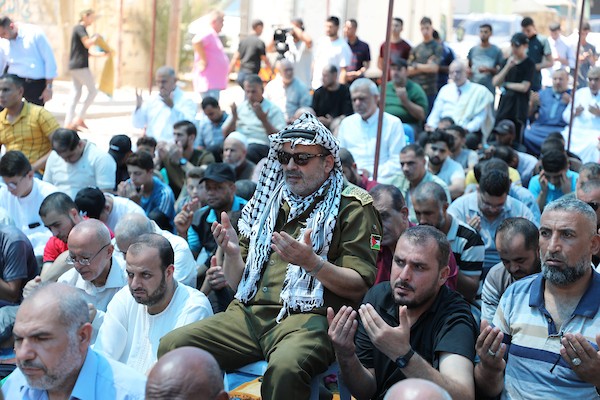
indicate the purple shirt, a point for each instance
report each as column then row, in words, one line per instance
column 214, row 75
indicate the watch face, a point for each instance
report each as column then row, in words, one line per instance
column 402, row 361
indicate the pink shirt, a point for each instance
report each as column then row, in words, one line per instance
column 214, row 76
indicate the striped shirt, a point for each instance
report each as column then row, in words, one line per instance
column 535, row 369
column 467, row 246
column 30, row 132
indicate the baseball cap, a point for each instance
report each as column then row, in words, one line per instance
column 119, row 146
column 219, row 172
column 91, row 201
column 505, row 126
column 519, row 39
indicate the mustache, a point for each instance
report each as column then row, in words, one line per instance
column 554, row 257
column 403, row 285
column 31, row 364
column 292, row 174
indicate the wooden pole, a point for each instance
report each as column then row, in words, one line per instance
column 152, row 46
column 384, row 75
column 575, row 74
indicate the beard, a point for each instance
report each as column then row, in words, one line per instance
column 567, row 275
column 425, row 295
column 70, row 364
column 154, row 297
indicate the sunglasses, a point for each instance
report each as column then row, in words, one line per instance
column 594, row 205
column 300, row 159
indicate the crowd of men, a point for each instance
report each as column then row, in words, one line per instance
column 462, row 263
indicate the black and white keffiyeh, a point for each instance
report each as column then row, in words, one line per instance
column 300, row 291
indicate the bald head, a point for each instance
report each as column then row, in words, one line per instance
column 92, row 230
column 183, row 373
column 416, row 389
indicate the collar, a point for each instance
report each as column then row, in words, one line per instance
column 85, row 386
column 238, row 204
column 451, row 235
column 588, row 304
column 24, row 112
column 372, row 119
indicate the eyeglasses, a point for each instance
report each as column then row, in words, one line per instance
column 300, row 159
column 13, row 185
column 85, row 261
column 594, row 205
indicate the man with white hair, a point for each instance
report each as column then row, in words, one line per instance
column 235, row 148
column 52, row 348
column 358, row 132
column 286, row 91
column 132, row 226
column 469, row 104
column 307, row 241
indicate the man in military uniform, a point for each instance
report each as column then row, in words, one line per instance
column 307, row 242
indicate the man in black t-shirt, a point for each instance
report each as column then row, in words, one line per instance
column 539, row 52
column 514, row 79
column 80, row 71
column 332, row 101
column 412, row 326
column 251, row 51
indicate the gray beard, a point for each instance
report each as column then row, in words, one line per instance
column 564, row 277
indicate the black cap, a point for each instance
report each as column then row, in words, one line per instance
column 505, row 126
column 219, row 172
column 91, row 201
column 120, row 146
column 519, row 39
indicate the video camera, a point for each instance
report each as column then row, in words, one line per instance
column 279, row 37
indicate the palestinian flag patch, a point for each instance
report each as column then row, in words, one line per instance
column 375, row 242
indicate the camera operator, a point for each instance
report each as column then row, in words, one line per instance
column 295, row 45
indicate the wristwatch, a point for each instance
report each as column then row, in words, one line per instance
column 402, row 361
column 182, row 161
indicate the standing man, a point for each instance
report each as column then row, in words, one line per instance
column 81, row 75
column 361, row 55
column 485, row 59
column 545, row 337
column 170, row 105
column 399, row 48
column 538, row 51
column 63, row 365
column 358, row 132
column 150, row 306
column 24, row 126
column 412, row 326
column 563, row 55
column 588, row 55
column 331, row 50
column 515, row 79
column 210, row 60
column 30, row 58
column 77, row 163
column 295, row 265
column 250, row 53
column 424, row 62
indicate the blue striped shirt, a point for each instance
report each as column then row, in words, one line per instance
column 535, row 341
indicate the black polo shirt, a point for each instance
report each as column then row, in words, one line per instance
column 447, row 327
column 535, row 52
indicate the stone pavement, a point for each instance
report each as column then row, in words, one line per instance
column 111, row 116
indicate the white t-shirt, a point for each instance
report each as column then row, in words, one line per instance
column 24, row 212
column 131, row 335
column 95, row 168
column 121, row 206
column 328, row 52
